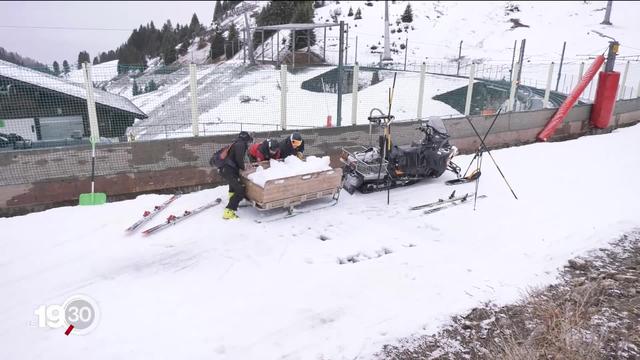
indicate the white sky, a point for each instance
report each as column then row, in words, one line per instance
column 47, row 45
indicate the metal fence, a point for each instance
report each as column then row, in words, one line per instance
column 137, row 103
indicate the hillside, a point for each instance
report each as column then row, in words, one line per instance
column 433, row 37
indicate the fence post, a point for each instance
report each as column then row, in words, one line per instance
column 91, row 104
column 194, row 99
column 467, row 106
column 624, row 80
column 547, row 90
column 354, row 97
column 512, row 93
column 581, row 71
column 283, row 96
column 423, row 70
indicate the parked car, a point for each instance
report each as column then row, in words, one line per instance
column 14, row 141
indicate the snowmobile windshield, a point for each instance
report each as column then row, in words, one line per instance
column 437, row 123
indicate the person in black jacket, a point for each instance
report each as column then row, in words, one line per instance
column 233, row 163
column 292, row 145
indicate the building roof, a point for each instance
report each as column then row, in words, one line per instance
column 54, row 83
column 303, row 26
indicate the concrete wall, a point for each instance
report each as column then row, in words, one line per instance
column 32, row 180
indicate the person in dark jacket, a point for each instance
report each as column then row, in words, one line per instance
column 268, row 149
column 233, row 163
column 292, row 145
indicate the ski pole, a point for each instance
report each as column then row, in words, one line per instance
column 484, row 148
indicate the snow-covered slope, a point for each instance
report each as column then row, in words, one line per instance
column 101, row 72
column 335, row 284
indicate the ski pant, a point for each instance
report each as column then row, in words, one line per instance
column 232, row 176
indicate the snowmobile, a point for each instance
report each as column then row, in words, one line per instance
column 369, row 169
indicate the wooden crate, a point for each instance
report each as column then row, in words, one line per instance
column 293, row 190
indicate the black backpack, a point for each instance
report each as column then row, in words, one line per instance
column 219, row 157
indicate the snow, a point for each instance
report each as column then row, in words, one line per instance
column 291, row 166
column 485, row 29
column 215, row 289
column 100, row 72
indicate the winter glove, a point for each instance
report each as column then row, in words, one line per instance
column 300, row 155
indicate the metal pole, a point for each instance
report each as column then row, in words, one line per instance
column 324, row 46
column 423, row 70
column 356, row 56
column 512, row 93
column 624, row 80
column 278, row 46
column 607, row 14
column 244, row 48
column 459, row 57
column 467, row 105
column 513, row 59
column 581, row 71
column 252, row 60
column 283, row 96
column 521, row 61
column 560, row 69
column 293, row 51
column 309, row 47
column 406, row 51
column 340, row 70
column 262, row 46
column 638, row 93
column 547, row 90
column 387, row 54
column 354, row 97
column 346, row 46
column 194, row 99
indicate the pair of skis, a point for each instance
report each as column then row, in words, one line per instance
column 172, row 219
column 449, row 202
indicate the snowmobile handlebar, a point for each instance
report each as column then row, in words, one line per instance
column 380, row 117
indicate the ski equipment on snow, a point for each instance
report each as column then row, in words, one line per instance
column 148, row 215
column 294, row 212
column 451, row 204
column 172, row 219
column 450, row 199
column 467, row 179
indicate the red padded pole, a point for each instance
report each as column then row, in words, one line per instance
column 605, row 101
column 566, row 106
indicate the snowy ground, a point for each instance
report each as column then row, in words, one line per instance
column 241, row 290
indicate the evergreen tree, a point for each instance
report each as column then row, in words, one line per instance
column 350, row 13
column 150, row 86
column 169, row 42
column 303, row 14
column 195, row 26
column 217, row 11
column 217, row 46
column 83, row 57
column 96, row 61
column 232, row 38
column 136, row 90
column 358, row 14
column 65, row 67
column 407, row 16
column 184, row 47
column 56, row 68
